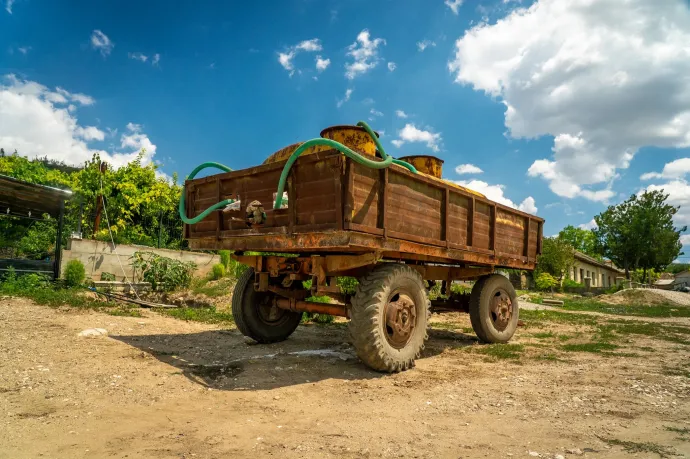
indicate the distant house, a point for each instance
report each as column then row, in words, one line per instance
column 681, row 280
column 603, row 273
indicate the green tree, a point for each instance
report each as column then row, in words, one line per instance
column 639, row 233
column 557, row 257
column 582, row 240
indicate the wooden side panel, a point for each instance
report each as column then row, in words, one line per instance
column 412, row 207
column 315, row 189
column 533, row 240
column 481, row 238
column 366, row 192
column 510, row 233
column 458, row 211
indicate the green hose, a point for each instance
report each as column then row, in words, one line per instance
column 387, row 160
column 204, row 214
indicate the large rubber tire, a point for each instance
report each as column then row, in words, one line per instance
column 368, row 325
column 486, row 324
column 254, row 315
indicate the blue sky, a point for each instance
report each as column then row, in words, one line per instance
column 469, row 77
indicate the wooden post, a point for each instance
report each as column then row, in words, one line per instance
column 58, row 242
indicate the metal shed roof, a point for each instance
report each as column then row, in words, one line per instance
column 22, row 198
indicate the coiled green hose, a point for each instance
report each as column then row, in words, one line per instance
column 387, row 161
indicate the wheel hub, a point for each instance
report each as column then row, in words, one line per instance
column 401, row 317
column 501, row 309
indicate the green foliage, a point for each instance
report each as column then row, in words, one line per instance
column 208, row 315
column 557, row 257
column 571, row 283
column 675, row 268
column 224, row 258
column 74, row 273
column 582, row 240
column 649, row 277
column 218, row 271
column 12, row 283
column 545, row 281
column 639, row 232
column 162, row 272
column 108, row 277
column 348, row 285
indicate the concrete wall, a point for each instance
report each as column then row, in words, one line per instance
column 100, row 257
column 582, row 270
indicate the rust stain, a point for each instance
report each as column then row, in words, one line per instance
column 353, row 137
column 429, row 165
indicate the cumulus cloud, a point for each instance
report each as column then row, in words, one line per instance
column 36, row 121
column 322, row 64
column 674, row 169
column 286, row 58
column 24, row 49
column 603, row 78
column 375, row 112
column 101, row 42
column 468, row 169
column 410, row 133
column 8, row 6
column 424, row 44
column 138, row 57
column 496, row 193
column 454, row 5
column 676, row 186
column 348, row 94
column 391, row 66
column 364, row 54
column 400, row 114
column 590, row 225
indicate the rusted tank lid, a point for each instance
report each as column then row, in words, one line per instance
column 341, row 127
column 353, row 137
column 427, row 164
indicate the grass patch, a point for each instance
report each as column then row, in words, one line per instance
column 659, row 310
column 214, row 289
column 538, row 317
column 544, row 335
column 636, row 447
column 596, row 347
column 124, row 312
column 499, row 351
column 668, row 371
column 549, row 357
column 206, row 315
column 678, row 430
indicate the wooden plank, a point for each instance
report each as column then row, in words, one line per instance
column 470, row 223
column 292, row 203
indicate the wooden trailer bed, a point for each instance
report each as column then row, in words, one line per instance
column 336, row 205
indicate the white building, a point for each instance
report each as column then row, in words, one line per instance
column 602, row 273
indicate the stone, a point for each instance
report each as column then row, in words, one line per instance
column 575, row 451
column 92, row 332
column 534, row 454
column 558, row 456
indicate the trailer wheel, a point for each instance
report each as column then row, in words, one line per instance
column 389, row 317
column 494, row 309
column 256, row 316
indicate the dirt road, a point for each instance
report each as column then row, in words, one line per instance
column 158, row 387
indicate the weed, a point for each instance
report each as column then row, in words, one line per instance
column 543, row 335
column 500, row 351
column 207, row 315
column 124, row 312
column 661, row 310
column 596, row 347
column 557, row 316
column 678, row 430
column 75, row 273
column 217, row 271
column 217, row 289
column 646, row 447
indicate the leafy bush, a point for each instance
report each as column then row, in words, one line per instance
column 12, row 283
column 109, row 277
column 224, row 258
column 218, row 271
column 348, row 285
column 162, row 272
column 74, row 273
column 545, row 281
column 571, row 283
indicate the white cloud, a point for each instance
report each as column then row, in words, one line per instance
column 375, row 112
column 400, row 114
column 38, row 122
column 391, row 66
column 495, row 193
column 678, row 195
column 24, row 49
column 156, row 59
column 285, row 59
column 424, row 44
column 138, row 57
column 675, row 169
column 8, row 6
column 410, row 133
column 101, row 42
column 603, row 78
column 348, row 94
column 322, row 64
column 468, row 169
column 685, row 239
column 364, row 53
column 589, row 225
column 454, row 5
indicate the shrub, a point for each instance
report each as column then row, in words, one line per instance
column 11, row 283
column 162, row 272
column 571, row 283
column 74, row 273
column 224, row 258
column 545, row 281
column 348, row 285
column 218, row 271
column 108, row 277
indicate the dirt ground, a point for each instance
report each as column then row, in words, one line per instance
column 158, row 387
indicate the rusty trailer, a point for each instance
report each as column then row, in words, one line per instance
column 396, row 231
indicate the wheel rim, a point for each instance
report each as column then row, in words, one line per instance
column 501, row 309
column 267, row 311
column 401, row 318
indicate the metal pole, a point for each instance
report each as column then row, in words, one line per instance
column 58, row 243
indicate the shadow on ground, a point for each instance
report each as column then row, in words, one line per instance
column 225, row 360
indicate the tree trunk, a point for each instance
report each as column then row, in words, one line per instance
column 644, row 274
